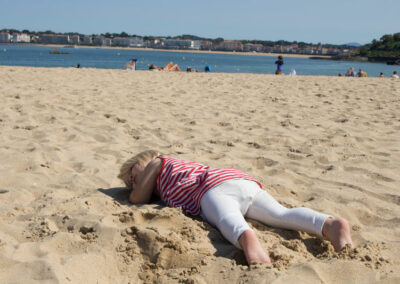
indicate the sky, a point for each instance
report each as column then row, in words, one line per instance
column 311, row 21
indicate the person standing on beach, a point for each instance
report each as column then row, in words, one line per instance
column 279, row 64
column 224, row 197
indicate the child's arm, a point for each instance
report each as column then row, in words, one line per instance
column 147, row 181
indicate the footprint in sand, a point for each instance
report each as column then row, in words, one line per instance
column 372, row 175
column 382, row 154
column 88, row 233
column 262, row 162
column 254, row 145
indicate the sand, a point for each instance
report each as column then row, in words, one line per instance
column 328, row 143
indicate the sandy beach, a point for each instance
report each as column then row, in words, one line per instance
column 328, row 143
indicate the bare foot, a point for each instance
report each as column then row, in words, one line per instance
column 337, row 231
column 252, row 248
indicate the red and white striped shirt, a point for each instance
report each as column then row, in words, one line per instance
column 184, row 183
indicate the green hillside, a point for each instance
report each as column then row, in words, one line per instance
column 386, row 49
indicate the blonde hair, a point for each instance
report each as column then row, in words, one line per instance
column 142, row 158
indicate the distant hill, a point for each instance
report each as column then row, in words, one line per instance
column 355, row 44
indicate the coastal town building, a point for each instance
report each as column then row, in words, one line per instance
column 292, row 48
column 308, row 50
column 154, row 43
column 5, row 37
column 74, row 39
column 98, row 40
column 107, row 41
column 252, row 47
column 54, row 39
column 35, row 39
column 230, row 45
column 206, row 45
column 278, row 49
column 87, row 40
column 20, row 37
column 181, row 44
column 128, row 41
column 267, row 49
column 121, row 41
column 136, row 42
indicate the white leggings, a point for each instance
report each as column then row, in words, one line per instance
column 226, row 205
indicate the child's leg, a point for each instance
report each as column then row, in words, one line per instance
column 252, row 248
column 267, row 210
column 337, row 231
column 223, row 207
column 223, row 212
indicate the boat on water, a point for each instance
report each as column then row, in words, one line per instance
column 58, row 51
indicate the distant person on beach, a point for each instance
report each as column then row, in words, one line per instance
column 381, row 75
column 190, row 69
column 78, row 65
column 361, row 73
column 207, row 68
column 340, row 75
column 131, row 65
column 224, row 197
column 350, row 72
column 169, row 67
column 395, row 75
column 279, row 64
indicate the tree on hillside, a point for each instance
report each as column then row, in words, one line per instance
column 386, row 43
column 218, row 40
column 386, row 48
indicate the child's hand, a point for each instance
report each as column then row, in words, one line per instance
column 144, row 181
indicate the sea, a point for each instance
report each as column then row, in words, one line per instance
column 40, row 56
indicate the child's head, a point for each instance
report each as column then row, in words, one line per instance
column 142, row 158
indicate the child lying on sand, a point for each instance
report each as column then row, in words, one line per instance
column 223, row 197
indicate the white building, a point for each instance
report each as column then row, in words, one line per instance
column 121, row 41
column 16, row 37
column 87, row 40
column 107, row 41
column 181, row 44
column 154, row 43
column 74, row 39
column 136, row 42
column 128, row 41
column 5, row 37
column 98, row 40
